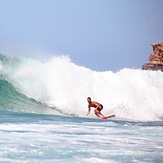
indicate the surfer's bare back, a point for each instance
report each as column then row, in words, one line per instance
column 98, row 107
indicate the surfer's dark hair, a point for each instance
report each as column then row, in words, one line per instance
column 88, row 98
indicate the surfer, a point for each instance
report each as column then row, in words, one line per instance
column 98, row 107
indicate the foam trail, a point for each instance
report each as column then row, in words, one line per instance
column 130, row 94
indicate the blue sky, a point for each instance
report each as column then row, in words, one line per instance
column 98, row 34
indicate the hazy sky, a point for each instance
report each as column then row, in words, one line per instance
column 98, row 34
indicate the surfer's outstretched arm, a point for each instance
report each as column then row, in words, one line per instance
column 89, row 109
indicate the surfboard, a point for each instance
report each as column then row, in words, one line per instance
column 106, row 117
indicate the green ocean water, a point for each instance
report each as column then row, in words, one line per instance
column 12, row 100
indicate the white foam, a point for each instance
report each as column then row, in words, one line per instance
column 129, row 93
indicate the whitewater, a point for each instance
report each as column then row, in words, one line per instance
column 43, row 107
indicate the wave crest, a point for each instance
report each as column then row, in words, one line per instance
column 130, row 94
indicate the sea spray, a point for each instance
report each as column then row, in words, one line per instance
column 129, row 93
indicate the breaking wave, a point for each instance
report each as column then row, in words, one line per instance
column 29, row 85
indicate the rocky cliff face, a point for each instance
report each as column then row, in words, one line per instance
column 155, row 59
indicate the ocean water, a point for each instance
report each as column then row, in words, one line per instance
column 43, row 107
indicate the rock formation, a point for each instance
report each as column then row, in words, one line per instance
column 156, row 59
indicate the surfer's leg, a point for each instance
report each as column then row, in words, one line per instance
column 102, row 115
column 98, row 113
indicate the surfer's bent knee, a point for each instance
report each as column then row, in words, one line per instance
column 96, row 111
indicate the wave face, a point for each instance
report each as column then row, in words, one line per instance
column 26, row 84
